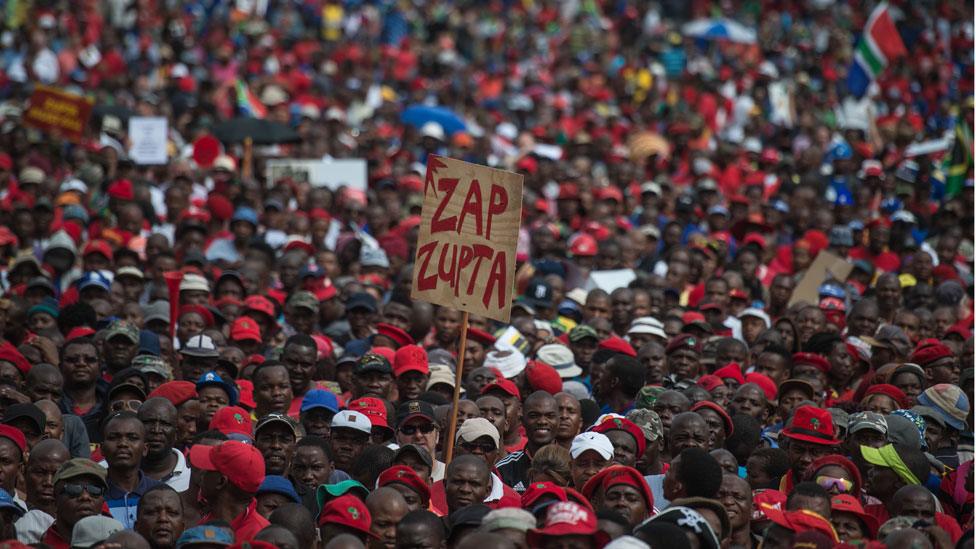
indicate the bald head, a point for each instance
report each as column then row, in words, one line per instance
column 298, row 520
column 539, row 396
column 386, row 509
column 49, row 449
column 468, row 461
column 385, row 498
column 908, row 538
column 44, row 381
column 279, row 537
column 914, row 501
column 345, row 541
column 128, row 539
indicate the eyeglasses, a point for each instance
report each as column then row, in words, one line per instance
column 124, row 405
column 841, row 484
column 74, row 490
column 473, row 447
column 411, row 430
column 81, row 359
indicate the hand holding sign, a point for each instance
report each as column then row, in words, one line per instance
column 468, row 232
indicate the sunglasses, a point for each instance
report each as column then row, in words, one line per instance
column 74, row 490
column 411, row 430
column 842, row 484
column 472, row 447
column 126, row 405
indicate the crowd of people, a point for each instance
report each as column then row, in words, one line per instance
column 195, row 355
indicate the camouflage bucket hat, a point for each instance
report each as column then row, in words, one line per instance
column 647, row 397
column 648, row 421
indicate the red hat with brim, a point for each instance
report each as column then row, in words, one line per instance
column 801, row 520
column 177, row 392
column 618, row 474
column 402, row 474
column 813, row 425
column 504, row 385
column 481, row 337
column 537, row 490
column 348, row 511
column 846, row 503
column 410, row 358
column 567, row 518
column 398, row 335
column 241, row 463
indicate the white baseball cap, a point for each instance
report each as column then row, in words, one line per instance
column 589, row 440
column 476, row 427
column 348, row 419
column 194, row 282
column 757, row 313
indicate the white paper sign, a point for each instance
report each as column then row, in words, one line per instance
column 147, row 139
column 326, row 172
column 609, row 281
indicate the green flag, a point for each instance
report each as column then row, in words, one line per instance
column 959, row 163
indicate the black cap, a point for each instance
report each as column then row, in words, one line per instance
column 467, row 516
column 25, row 410
column 361, row 300
column 421, row 452
column 415, row 408
column 538, row 294
column 372, row 362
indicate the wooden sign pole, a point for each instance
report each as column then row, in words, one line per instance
column 459, row 371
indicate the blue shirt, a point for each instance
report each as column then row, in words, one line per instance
column 123, row 505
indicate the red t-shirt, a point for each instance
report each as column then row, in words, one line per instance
column 246, row 525
column 53, row 539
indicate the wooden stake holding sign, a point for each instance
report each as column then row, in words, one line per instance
column 466, row 248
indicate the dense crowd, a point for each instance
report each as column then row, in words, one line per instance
column 197, row 355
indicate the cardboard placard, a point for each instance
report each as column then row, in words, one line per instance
column 468, row 231
column 325, row 172
column 59, row 113
column 147, row 139
column 826, row 266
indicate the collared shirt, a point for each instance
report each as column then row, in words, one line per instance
column 123, row 505
column 246, row 525
column 179, row 479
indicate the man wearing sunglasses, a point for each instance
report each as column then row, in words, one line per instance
column 79, row 492
column 416, row 425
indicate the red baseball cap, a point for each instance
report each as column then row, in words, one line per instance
column 928, row 351
column 260, row 304
column 566, row 518
column 241, row 463
column 97, row 246
column 536, row 490
column 812, row 359
column 481, row 337
column 846, row 503
column 801, row 520
column 583, row 245
column 684, row 341
column 177, row 392
column 619, row 345
column 371, row 407
column 245, row 329
column 410, row 358
column 504, row 385
column 348, row 511
column 15, row 435
column 623, row 424
column 763, row 498
column 402, row 474
column 232, row 419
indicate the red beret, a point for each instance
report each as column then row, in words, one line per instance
column 220, row 207
column 177, row 392
column 537, row 490
column 726, row 419
column 683, row 341
column 9, row 353
column 710, row 381
column 97, row 246
column 406, row 476
column 928, row 351
column 732, row 370
column 619, row 345
column 501, row 384
column 398, row 335
column 543, row 377
column 15, row 435
column 812, row 359
column 764, row 382
column 619, row 474
column 622, row 424
column 481, row 337
column 122, row 190
column 886, row 389
column 204, row 313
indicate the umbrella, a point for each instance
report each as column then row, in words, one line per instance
column 646, row 144
column 418, row 115
column 261, row 132
column 720, row 29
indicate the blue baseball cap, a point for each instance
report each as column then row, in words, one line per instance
column 275, row 484
column 831, row 290
column 320, row 398
column 94, row 278
column 212, row 379
column 206, row 534
column 247, row 214
column 7, row 502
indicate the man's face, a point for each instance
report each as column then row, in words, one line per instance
column 583, row 351
column 119, row 351
column 411, row 384
column 736, row 496
column 186, row 421
column 493, row 409
column 372, row 383
column 161, row 429
column 75, row 500
column 318, row 422
column 39, row 478
column 276, row 442
column 300, row 362
column 272, row 390
column 310, row 466
column 478, row 378
column 668, row 405
column 597, row 307
column 570, row 418
column 124, row 444
column 751, row 401
column 347, row 444
column 716, row 428
column 466, row 485
column 385, row 516
column 688, row 433
column 781, row 290
column 628, row 501
column 79, row 365
column 621, row 307
column 417, row 536
column 624, row 447
column 752, row 327
column 801, row 454
column 420, row 431
column 773, row 366
column 11, row 462
column 908, row 323
column 918, row 505
column 944, row 370
column 683, row 363
column 540, row 418
column 652, row 358
column 160, row 518
column 585, row 466
column 268, row 502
